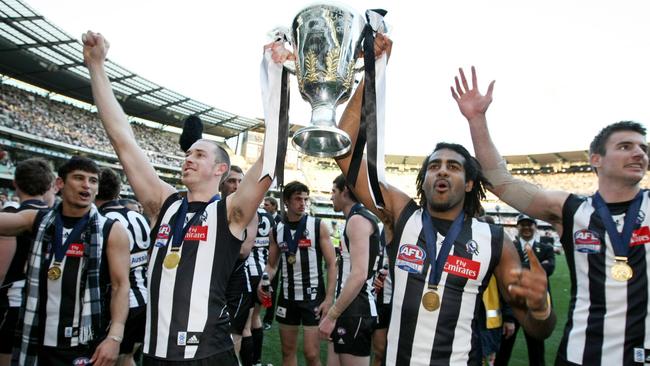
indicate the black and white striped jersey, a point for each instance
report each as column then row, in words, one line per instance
column 64, row 296
column 386, row 292
column 364, row 303
column 187, row 316
column 450, row 334
column 138, row 232
column 302, row 280
column 609, row 321
column 256, row 261
column 11, row 291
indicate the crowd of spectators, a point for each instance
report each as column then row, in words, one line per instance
column 43, row 117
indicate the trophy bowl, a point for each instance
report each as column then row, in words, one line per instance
column 327, row 41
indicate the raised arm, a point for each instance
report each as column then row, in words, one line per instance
column 150, row 190
column 524, row 196
column 395, row 200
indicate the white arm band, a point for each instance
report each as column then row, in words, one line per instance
column 515, row 192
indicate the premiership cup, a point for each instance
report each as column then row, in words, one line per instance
column 326, row 41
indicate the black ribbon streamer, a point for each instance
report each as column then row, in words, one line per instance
column 368, row 125
column 283, row 130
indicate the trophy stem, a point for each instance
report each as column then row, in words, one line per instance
column 323, row 115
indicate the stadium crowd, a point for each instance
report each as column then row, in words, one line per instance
column 63, row 122
column 180, row 277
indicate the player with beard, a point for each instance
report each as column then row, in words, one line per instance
column 442, row 257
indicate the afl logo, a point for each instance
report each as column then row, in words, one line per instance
column 410, row 258
column 163, row 232
column 586, row 241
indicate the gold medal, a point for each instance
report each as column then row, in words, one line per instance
column 431, row 300
column 621, row 271
column 171, row 260
column 54, row 273
column 291, row 259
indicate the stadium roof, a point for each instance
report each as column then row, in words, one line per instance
column 37, row 52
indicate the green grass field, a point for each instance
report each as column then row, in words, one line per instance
column 560, row 284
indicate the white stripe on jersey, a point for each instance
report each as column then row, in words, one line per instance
column 15, row 293
column 198, row 314
column 347, row 267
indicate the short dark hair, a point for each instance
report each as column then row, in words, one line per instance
column 473, row 172
column 341, row 184
column 109, row 185
column 293, row 187
column 597, row 145
column 236, row 169
column 34, row 176
column 272, row 201
column 77, row 163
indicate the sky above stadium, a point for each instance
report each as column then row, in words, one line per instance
column 564, row 68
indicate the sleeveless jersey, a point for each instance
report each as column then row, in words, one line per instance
column 302, row 280
column 11, row 291
column 609, row 320
column 187, row 317
column 256, row 261
column 450, row 334
column 364, row 303
column 384, row 295
column 138, row 232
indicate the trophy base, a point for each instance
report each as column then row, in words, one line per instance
column 321, row 142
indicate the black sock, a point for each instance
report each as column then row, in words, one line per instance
column 246, row 351
column 258, row 338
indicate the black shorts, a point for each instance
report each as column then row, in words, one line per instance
column 52, row 356
column 353, row 335
column 255, row 281
column 134, row 329
column 9, row 337
column 383, row 316
column 238, row 308
column 290, row 312
column 225, row 358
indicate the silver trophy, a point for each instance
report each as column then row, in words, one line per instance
column 326, row 40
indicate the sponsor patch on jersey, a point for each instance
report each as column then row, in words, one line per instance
column 462, row 267
column 284, row 247
column 75, row 250
column 586, row 241
column 281, row 312
column 188, row 338
column 410, row 258
column 472, row 247
column 640, row 236
column 139, row 259
column 262, row 242
column 197, row 233
column 304, row 243
column 639, row 355
column 181, row 339
column 80, row 361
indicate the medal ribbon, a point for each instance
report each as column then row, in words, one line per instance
column 179, row 229
column 430, row 234
column 292, row 240
column 620, row 241
column 61, row 248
